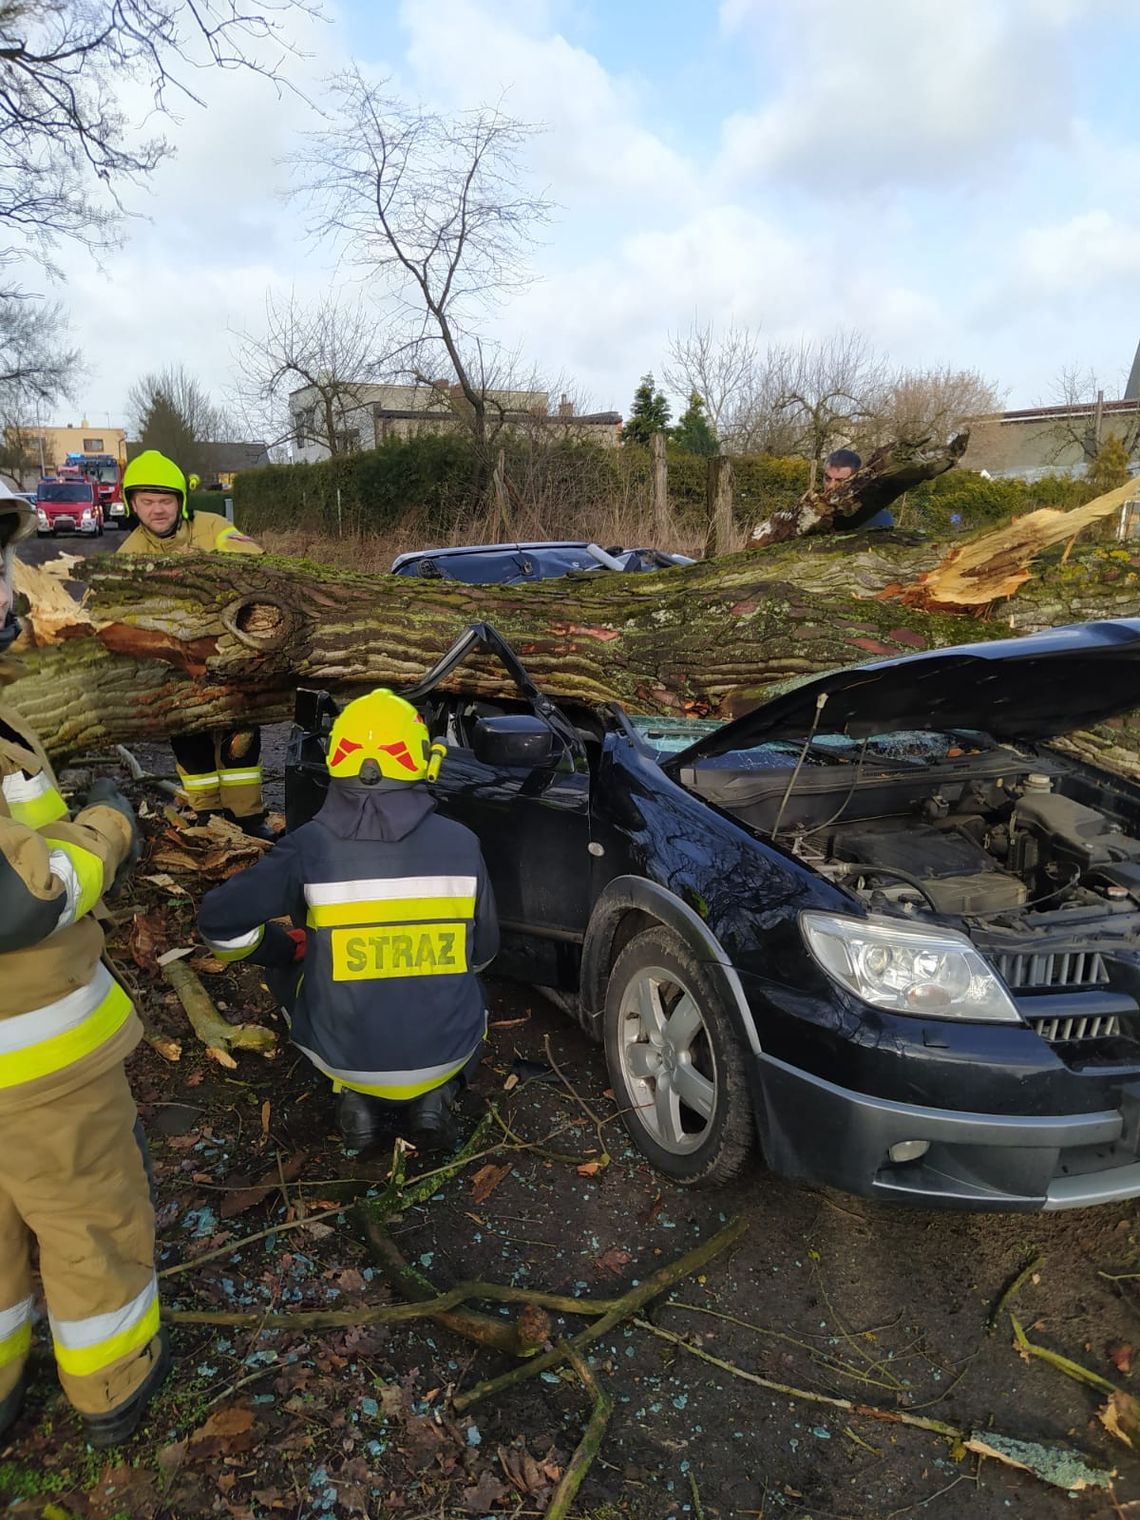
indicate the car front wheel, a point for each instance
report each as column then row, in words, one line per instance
column 676, row 1063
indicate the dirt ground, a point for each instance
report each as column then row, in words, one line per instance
column 824, row 1293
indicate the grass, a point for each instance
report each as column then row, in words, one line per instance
column 373, row 553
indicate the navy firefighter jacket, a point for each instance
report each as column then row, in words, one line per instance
column 400, row 917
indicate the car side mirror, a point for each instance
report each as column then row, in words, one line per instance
column 514, row 739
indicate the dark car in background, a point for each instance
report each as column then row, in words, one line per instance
column 877, row 923
column 507, row 564
column 68, row 506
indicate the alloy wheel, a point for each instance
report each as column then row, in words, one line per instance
column 667, row 1060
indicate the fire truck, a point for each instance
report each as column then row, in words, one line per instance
column 106, row 474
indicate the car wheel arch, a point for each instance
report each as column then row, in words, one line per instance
column 626, row 907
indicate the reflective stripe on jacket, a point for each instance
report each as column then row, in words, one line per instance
column 62, row 1016
column 390, row 1002
column 206, row 533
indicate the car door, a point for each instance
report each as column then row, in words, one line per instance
column 517, row 775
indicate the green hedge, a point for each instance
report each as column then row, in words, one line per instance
column 433, row 479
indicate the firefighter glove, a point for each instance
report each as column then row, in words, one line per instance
column 104, row 793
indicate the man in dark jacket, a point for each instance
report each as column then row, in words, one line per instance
column 393, row 913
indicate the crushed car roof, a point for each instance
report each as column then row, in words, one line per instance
column 1035, row 687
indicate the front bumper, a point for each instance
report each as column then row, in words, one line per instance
column 815, row 1129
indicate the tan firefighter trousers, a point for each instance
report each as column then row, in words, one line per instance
column 221, row 769
column 72, row 1176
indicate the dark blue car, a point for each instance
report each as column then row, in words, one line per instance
column 877, row 926
column 508, row 564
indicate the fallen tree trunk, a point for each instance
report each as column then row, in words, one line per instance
column 177, row 646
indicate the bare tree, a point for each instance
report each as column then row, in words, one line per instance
column 933, row 404
column 188, row 399
column 334, row 350
column 1079, row 397
column 722, row 366
column 432, row 205
column 67, row 148
column 829, row 391
column 36, row 369
column 66, row 145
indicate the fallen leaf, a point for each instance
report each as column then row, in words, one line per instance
column 485, row 1496
column 590, row 1168
column 613, row 1260
column 511, row 1083
column 167, row 883
column 224, row 1425
column 534, row 1326
column 170, row 1458
column 208, row 965
column 1120, row 1354
column 146, row 939
column 1120, row 1416
column 265, row 1111
column 247, row 1198
column 487, row 1179
column 222, row 1057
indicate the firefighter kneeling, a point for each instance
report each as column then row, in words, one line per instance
column 72, row 1173
column 394, row 915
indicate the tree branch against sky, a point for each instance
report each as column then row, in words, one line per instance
column 433, row 207
column 68, row 149
column 335, row 347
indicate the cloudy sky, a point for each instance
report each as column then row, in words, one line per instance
column 960, row 179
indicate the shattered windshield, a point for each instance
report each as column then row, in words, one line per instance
column 907, row 746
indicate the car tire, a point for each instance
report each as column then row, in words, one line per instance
column 683, row 1096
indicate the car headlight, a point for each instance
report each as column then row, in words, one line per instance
column 932, row 973
column 42, row 519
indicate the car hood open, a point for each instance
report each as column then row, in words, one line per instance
column 1029, row 688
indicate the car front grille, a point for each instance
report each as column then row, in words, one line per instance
column 1088, row 1027
column 1077, row 968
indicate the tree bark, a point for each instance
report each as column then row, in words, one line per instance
column 175, row 646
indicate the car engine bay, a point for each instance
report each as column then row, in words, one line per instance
column 964, row 829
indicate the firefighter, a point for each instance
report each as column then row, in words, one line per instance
column 393, row 913
column 72, row 1172
column 220, row 771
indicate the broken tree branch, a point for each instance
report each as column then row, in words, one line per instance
column 508, row 1337
column 627, row 1305
column 392, row 1314
column 591, row 1442
column 1010, row 1292
column 1054, row 1464
column 216, row 1034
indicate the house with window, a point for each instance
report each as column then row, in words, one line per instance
column 34, row 451
column 365, row 416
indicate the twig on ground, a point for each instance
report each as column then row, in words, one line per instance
column 590, row 1444
column 823, row 1358
column 698, row 1507
column 537, row 1147
column 1053, row 1464
column 597, row 1122
column 335, row 1319
column 1065, row 1364
column 136, row 773
column 168, row 1048
column 626, row 1306
column 248, row 1240
column 1012, row 1288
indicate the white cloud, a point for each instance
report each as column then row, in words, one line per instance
column 467, row 53
column 894, row 92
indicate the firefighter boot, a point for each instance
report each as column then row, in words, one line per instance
column 360, row 1119
column 255, row 826
column 118, row 1425
column 428, row 1120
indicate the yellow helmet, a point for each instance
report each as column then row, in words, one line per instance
column 152, row 471
column 388, row 731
